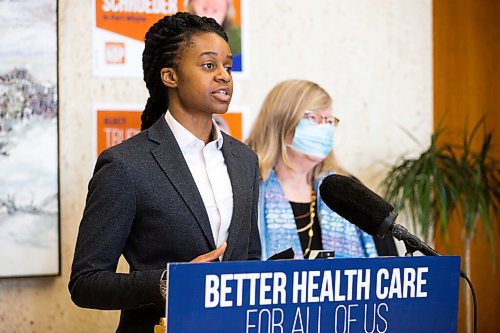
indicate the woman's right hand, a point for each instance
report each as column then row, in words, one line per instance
column 212, row 255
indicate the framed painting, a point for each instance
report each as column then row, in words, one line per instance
column 29, row 172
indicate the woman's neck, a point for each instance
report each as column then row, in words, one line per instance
column 198, row 123
column 296, row 181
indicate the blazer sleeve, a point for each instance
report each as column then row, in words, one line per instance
column 104, row 229
column 254, row 248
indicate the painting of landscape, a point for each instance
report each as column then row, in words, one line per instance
column 29, row 199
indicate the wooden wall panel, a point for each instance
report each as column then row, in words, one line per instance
column 466, row 56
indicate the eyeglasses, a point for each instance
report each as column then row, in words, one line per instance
column 316, row 118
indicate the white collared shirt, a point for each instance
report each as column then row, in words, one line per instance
column 209, row 171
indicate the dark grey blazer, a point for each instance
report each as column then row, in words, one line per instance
column 143, row 203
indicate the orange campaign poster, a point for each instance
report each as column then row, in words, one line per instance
column 116, row 124
column 120, row 26
column 230, row 123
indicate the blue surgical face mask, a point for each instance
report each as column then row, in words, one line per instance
column 313, row 139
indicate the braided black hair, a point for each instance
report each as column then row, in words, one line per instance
column 163, row 42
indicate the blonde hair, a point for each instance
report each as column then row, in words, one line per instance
column 281, row 112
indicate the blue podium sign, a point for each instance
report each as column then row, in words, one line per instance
column 418, row 294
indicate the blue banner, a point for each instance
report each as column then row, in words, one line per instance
column 418, row 294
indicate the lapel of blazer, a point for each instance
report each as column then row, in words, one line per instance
column 169, row 156
column 238, row 183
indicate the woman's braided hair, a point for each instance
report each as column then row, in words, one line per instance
column 163, row 46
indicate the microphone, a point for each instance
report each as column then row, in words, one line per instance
column 368, row 211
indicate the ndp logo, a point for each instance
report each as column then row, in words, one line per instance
column 115, row 53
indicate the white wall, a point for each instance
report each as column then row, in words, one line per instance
column 373, row 56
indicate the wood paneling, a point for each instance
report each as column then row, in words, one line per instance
column 466, row 87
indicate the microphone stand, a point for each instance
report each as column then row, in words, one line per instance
column 413, row 243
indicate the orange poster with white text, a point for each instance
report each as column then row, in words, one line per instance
column 115, row 126
column 132, row 18
column 119, row 30
column 120, row 26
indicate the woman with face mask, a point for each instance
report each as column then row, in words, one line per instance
column 293, row 137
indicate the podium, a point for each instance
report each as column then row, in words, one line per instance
column 401, row 294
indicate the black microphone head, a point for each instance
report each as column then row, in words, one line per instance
column 357, row 203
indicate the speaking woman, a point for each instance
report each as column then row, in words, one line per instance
column 179, row 191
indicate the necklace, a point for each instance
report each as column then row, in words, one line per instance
column 309, row 226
